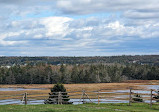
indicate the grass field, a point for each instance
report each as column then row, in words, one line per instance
column 80, row 108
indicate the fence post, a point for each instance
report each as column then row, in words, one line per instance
column 151, row 98
column 83, row 95
column 130, row 96
column 98, row 98
column 25, row 98
column 59, row 98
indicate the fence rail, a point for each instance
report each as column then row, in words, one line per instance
column 79, row 97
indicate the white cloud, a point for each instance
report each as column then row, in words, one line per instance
column 10, row 42
column 38, row 36
column 115, row 25
column 30, row 23
column 75, row 32
column 56, row 27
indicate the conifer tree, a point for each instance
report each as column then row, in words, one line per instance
column 53, row 95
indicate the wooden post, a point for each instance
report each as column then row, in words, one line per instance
column 98, row 98
column 59, row 98
column 151, row 98
column 25, row 98
column 83, row 95
column 87, row 96
column 130, row 96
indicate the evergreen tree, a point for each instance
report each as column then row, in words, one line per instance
column 53, row 95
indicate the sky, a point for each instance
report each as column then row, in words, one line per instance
column 79, row 27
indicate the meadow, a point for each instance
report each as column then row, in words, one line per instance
column 81, row 108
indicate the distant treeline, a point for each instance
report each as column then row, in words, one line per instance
column 144, row 59
column 87, row 73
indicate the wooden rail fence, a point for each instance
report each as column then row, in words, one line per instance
column 79, row 97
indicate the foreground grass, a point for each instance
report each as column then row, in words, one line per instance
column 80, row 108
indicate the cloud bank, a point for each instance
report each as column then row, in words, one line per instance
column 78, row 28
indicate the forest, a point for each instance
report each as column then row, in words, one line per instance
column 124, row 59
column 43, row 73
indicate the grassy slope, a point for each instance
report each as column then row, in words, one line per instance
column 80, row 108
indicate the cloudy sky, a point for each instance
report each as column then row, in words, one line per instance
column 79, row 27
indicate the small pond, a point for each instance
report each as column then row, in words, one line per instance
column 156, row 87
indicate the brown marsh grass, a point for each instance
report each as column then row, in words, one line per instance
column 75, row 87
column 87, row 87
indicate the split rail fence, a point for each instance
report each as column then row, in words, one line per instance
column 80, row 97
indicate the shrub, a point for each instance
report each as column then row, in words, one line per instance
column 137, row 98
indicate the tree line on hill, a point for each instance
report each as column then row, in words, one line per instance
column 143, row 59
column 82, row 73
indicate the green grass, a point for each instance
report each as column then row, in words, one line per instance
column 80, row 108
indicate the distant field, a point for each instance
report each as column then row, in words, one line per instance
column 80, row 108
column 79, row 87
column 87, row 86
